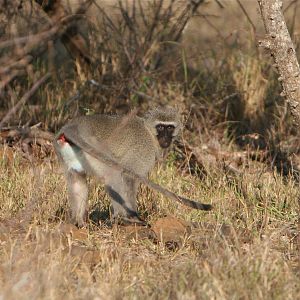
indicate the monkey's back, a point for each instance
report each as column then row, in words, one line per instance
column 124, row 138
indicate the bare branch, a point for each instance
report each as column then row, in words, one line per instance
column 246, row 14
column 24, row 99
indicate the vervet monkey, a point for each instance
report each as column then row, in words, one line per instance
column 120, row 151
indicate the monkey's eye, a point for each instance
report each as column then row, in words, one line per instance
column 170, row 128
column 160, row 128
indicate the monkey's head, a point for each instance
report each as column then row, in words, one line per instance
column 164, row 123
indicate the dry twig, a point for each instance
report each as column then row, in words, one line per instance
column 24, row 99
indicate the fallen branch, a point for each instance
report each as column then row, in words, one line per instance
column 32, row 141
column 25, row 133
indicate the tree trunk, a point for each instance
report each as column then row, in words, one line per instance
column 278, row 41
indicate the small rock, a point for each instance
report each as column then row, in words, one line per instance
column 171, row 230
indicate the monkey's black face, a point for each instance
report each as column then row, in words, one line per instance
column 165, row 134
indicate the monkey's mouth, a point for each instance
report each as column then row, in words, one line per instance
column 164, row 142
column 165, row 145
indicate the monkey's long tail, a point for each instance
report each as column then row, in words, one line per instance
column 98, row 154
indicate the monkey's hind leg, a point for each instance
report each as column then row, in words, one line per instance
column 78, row 194
column 122, row 191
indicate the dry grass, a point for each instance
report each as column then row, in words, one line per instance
column 252, row 256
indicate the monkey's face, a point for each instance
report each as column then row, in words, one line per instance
column 165, row 134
